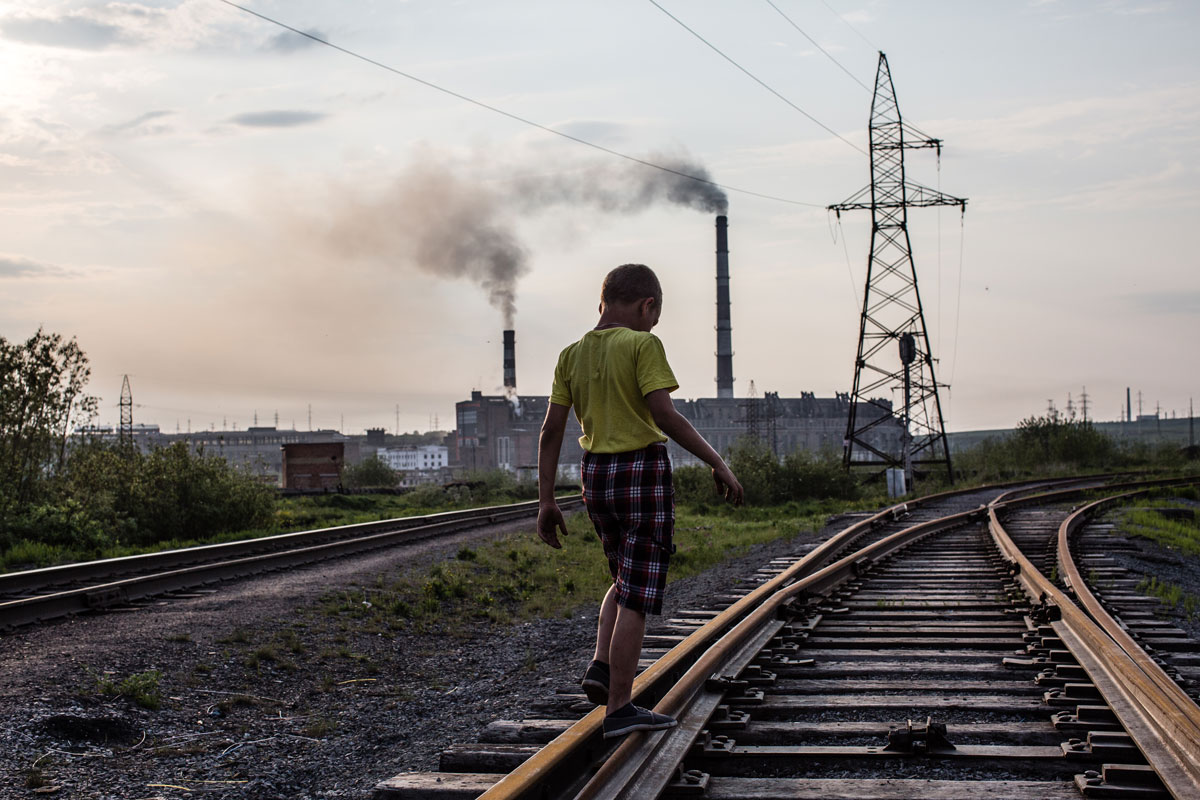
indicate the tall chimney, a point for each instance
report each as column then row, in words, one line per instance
column 724, row 342
column 510, row 359
column 1128, row 403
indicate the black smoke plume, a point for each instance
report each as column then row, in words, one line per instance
column 441, row 218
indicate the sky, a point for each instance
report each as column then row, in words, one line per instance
column 247, row 222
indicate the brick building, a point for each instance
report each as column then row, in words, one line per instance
column 313, row 465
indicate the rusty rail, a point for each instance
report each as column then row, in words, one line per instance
column 1162, row 720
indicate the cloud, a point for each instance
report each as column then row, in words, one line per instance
column 101, row 26
column 289, row 42
column 21, row 267
column 72, row 31
column 277, row 119
column 142, row 125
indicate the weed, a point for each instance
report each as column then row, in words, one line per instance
column 237, row 636
column 179, row 637
column 319, row 727
column 142, row 688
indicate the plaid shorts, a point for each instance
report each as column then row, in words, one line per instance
column 631, row 501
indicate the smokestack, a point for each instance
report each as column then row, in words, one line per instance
column 724, row 341
column 510, row 359
column 1128, row 404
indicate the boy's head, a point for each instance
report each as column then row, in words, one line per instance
column 629, row 284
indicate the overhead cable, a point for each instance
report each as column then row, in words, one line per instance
column 754, row 77
column 510, row 115
column 853, row 77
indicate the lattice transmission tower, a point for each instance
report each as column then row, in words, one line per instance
column 894, row 354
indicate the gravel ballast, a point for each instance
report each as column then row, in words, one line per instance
column 264, row 696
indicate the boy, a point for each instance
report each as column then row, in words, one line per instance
column 618, row 381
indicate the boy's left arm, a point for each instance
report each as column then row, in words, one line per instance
column 550, row 519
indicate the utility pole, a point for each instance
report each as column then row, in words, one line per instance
column 1083, row 400
column 891, row 311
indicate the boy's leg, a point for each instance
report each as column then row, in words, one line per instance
column 624, row 650
column 604, row 628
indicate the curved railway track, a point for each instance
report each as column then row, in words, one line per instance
column 947, row 648
column 42, row 594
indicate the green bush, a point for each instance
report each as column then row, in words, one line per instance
column 766, row 479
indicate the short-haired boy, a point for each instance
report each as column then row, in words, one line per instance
column 619, row 383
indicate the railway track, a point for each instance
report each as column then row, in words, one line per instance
column 944, row 649
column 42, row 594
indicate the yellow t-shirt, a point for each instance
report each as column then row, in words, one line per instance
column 606, row 376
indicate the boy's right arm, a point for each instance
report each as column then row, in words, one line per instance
column 676, row 426
column 550, row 519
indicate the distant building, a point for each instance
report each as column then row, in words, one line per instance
column 311, row 466
column 257, row 449
column 419, row 464
column 496, row 432
column 412, row 459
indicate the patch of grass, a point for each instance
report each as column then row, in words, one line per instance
column 319, row 727
column 517, row 577
column 237, row 636
column 142, row 688
column 179, row 637
column 1180, row 535
column 1172, row 595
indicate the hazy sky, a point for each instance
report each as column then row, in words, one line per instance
column 243, row 220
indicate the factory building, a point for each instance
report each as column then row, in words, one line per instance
column 501, row 432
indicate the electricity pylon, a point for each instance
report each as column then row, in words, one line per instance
column 891, row 311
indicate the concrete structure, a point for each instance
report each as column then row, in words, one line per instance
column 497, row 432
column 257, row 449
column 1147, row 429
column 413, row 459
column 309, row 466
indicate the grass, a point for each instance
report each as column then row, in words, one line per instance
column 1180, row 535
column 1172, row 595
column 517, row 577
column 291, row 514
column 142, row 688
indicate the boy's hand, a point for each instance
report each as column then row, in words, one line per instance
column 549, row 522
column 728, row 485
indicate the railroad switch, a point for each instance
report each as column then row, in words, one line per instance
column 710, row 745
column 1121, row 780
column 755, row 675
column 688, row 783
column 1044, row 612
column 1060, row 674
column 929, row 738
column 1072, row 694
column 725, row 718
column 1086, row 718
column 1107, row 746
column 737, row 692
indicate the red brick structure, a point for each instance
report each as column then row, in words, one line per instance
column 313, row 465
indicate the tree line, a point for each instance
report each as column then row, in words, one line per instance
column 60, row 490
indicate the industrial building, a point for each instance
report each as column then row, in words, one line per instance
column 501, row 431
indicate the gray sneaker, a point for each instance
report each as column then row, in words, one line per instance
column 595, row 684
column 642, row 720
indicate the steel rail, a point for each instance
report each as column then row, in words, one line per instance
column 227, row 561
column 35, row 579
column 568, row 756
column 1164, row 706
column 1166, row 731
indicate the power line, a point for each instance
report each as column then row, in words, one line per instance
column 851, row 27
column 828, row 55
column 753, row 77
column 517, row 118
